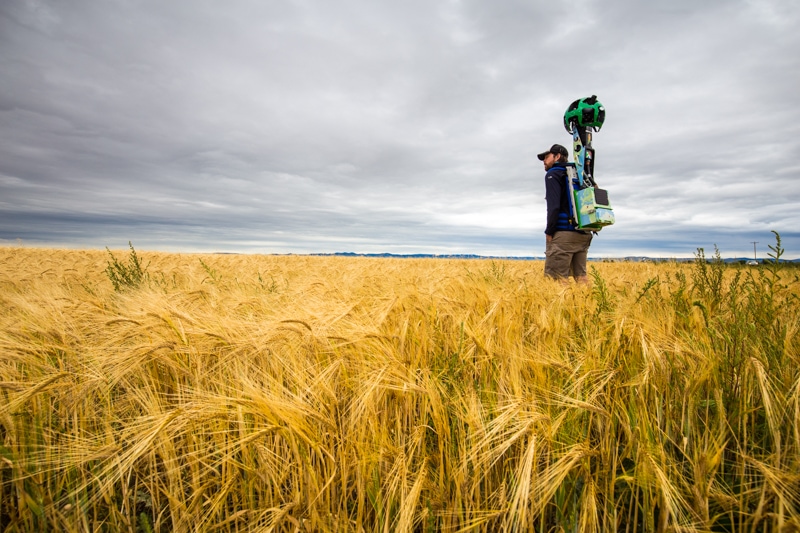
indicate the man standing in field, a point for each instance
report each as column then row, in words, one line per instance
column 567, row 247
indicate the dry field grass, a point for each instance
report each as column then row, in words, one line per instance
column 266, row 393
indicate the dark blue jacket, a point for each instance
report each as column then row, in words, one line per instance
column 559, row 211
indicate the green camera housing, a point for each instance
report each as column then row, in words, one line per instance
column 591, row 209
column 585, row 113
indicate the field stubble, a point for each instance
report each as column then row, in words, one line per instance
column 294, row 393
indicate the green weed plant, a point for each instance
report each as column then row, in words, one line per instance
column 128, row 275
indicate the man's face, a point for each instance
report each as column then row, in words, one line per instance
column 548, row 161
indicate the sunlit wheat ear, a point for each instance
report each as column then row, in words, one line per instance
column 674, row 503
column 773, row 407
column 552, row 477
column 520, row 510
column 590, row 520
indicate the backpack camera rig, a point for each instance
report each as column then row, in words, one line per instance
column 590, row 207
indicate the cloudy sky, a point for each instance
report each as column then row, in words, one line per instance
column 299, row 126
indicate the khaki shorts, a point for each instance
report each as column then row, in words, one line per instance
column 566, row 253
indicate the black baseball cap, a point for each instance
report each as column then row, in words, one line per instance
column 555, row 149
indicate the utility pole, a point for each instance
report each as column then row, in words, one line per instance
column 754, row 250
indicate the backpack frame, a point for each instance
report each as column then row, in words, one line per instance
column 589, row 204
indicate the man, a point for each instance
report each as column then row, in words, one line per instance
column 567, row 247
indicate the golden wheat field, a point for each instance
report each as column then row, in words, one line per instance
column 301, row 393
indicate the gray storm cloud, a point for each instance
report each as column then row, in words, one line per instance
column 392, row 127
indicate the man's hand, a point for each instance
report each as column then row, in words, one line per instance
column 549, row 238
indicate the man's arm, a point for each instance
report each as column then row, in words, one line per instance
column 553, row 198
